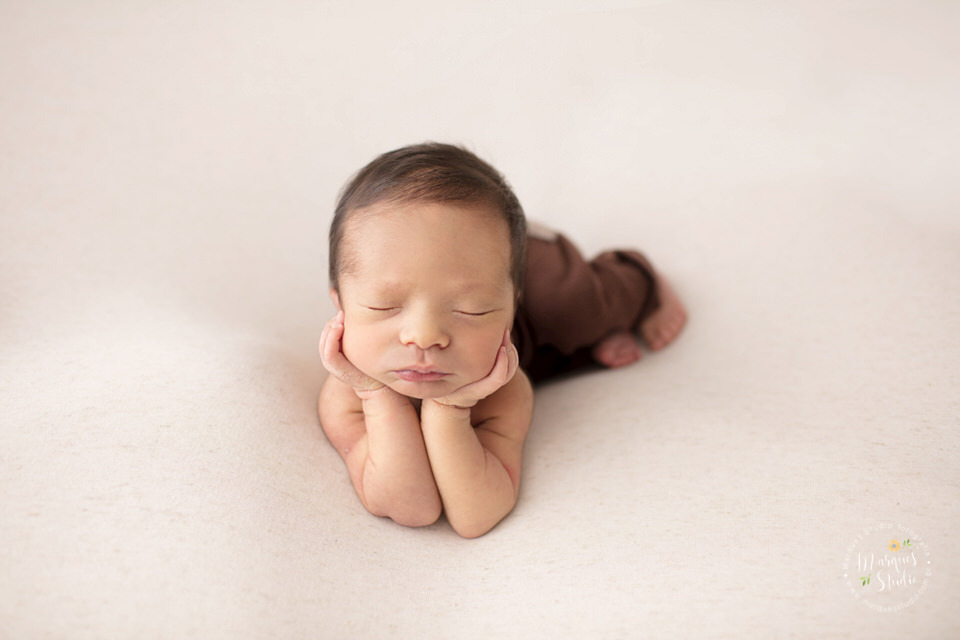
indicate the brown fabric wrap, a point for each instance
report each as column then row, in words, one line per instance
column 570, row 304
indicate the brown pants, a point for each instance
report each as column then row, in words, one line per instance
column 568, row 304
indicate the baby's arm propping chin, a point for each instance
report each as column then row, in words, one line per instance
column 380, row 441
column 472, row 458
column 476, row 454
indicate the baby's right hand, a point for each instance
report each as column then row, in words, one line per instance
column 331, row 353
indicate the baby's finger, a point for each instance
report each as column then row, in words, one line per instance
column 513, row 356
column 501, row 366
column 324, row 335
column 331, row 354
column 513, row 361
column 510, row 362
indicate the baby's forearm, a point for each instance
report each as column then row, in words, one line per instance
column 476, row 489
column 397, row 480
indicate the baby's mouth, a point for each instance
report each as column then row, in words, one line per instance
column 420, row 375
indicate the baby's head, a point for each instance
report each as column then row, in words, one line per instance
column 427, row 252
column 430, row 173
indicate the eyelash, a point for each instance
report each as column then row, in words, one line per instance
column 463, row 313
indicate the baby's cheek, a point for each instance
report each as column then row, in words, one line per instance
column 487, row 353
column 355, row 349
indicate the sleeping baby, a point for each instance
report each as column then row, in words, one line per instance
column 448, row 310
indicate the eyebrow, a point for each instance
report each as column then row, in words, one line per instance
column 386, row 289
column 394, row 288
column 474, row 287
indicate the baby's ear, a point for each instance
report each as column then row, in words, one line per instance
column 335, row 296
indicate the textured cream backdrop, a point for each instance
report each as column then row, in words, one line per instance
column 167, row 173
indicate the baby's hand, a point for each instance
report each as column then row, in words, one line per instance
column 331, row 353
column 504, row 368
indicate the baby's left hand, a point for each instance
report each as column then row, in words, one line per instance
column 504, row 368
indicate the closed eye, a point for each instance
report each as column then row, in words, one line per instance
column 381, row 308
column 475, row 315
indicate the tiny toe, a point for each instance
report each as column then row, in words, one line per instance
column 617, row 350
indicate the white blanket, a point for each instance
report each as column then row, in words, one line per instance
column 167, row 176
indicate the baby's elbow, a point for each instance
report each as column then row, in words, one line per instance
column 417, row 518
column 474, row 526
column 476, row 520
column 410, row 508
column 472, row 532
column 422, row 514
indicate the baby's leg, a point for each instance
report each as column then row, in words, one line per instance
column 664, row 324
column 596, row 307
column 617, row 350
column 659, row 329
column 573, row 303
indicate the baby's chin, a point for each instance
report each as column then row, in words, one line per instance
column 419, row 391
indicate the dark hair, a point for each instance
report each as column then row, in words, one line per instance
column 430, row 172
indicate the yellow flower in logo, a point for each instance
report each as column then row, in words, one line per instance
column 894, row 545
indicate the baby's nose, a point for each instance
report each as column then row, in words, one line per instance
column 425, row 331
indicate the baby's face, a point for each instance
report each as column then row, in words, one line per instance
column 426, row 295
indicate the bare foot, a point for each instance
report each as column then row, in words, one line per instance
column 617, row 350
column 664, row 324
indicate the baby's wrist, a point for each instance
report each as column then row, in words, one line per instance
column 447, row 404
column 374, row 392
